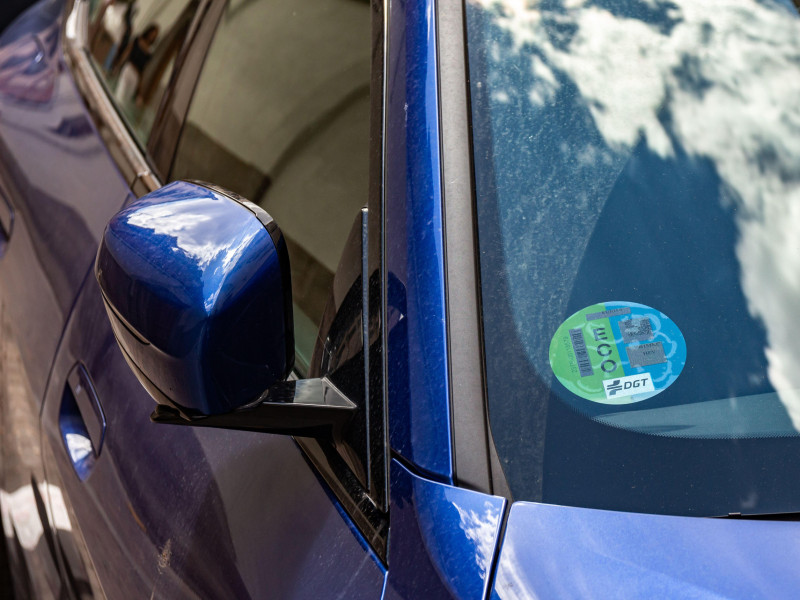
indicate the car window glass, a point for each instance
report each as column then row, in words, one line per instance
column 637, row 169
column 281, row 116
column 133, row 44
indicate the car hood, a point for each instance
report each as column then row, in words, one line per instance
column 566, row 552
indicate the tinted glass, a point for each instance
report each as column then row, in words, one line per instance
column 641, row 156
column 134, row 44
column 281, row 116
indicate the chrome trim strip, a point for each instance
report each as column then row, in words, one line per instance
column 123, row 148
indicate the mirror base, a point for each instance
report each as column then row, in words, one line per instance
column 305, row 408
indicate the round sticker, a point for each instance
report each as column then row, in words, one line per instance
column 617, row 352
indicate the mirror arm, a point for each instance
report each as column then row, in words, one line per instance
column 305, row 408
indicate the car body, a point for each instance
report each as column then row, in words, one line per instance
column 414, row 501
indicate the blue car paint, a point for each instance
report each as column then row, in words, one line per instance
column 191, row 511
column 442, row 539
column 566, row 552
column 58, row 217
column 419, row 414
column 198, row 278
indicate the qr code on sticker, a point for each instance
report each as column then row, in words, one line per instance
column 636, row 330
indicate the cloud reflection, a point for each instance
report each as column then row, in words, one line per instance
column 187, row 227
column 207, row 233
column 481, row 530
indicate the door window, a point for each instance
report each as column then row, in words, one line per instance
column 133, row 44
column 281, row 116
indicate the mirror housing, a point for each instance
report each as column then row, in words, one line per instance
column 197, row 287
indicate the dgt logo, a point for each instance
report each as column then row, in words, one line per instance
column 628, row 386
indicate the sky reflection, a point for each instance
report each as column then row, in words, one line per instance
column 210, row 235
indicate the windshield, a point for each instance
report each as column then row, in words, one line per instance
column 637, row 171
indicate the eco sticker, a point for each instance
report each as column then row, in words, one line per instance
column 617, row 352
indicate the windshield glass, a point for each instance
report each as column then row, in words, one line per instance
column 637, row 170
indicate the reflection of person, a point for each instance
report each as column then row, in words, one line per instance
column 134, row 60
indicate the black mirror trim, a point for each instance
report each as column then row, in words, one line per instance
column 305, row 407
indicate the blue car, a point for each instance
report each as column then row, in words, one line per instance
column 401, row 299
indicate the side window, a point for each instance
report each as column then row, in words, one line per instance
column 281, row 116
column 133, row 44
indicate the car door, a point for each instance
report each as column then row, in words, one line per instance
column 58, row 187
column 174, row 512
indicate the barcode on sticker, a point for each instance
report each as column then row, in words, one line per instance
column 607, row 314
column 579, row 347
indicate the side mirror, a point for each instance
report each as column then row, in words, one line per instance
column 197, row 287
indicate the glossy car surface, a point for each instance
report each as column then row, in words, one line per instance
column 418, row 161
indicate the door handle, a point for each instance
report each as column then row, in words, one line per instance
column 81, row 421
column 6, row 221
